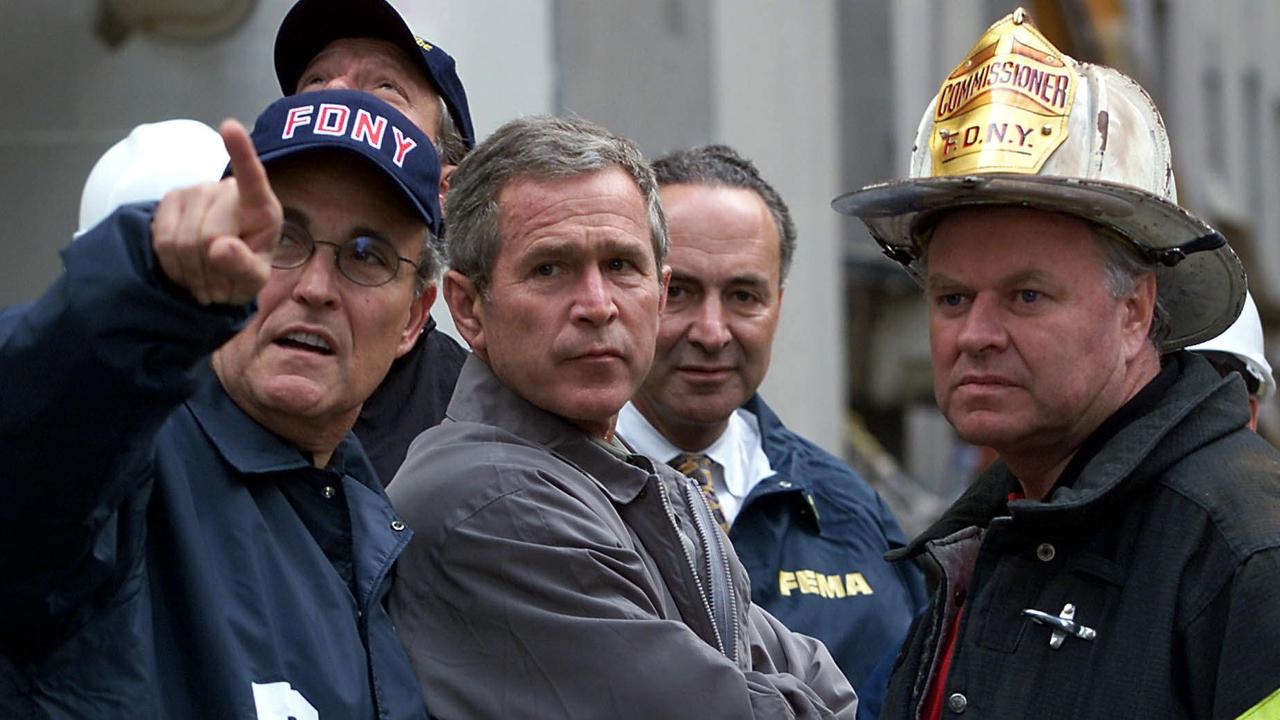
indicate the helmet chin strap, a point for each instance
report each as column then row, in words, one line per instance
column 1174, row 255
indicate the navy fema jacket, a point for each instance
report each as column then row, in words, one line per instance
column 163, row 556
column 813, row 538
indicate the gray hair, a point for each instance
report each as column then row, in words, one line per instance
column 537, row 147
column 722, row 166
column 1123, row 264
column 428, row 264
column 450, row 147
column 448, row 143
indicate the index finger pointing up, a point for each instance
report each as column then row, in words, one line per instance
column 258, row 210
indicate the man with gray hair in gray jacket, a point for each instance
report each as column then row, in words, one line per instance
column 554, row 573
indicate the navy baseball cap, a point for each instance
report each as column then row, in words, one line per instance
column 311, row 25
column 360, row 123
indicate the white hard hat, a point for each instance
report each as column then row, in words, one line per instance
column 153, row 159
column 1244, row 340
column 1020, row 123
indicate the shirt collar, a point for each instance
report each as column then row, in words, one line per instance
column 737, row 451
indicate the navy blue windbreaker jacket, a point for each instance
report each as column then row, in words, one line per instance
column 813, row 538
column 153, row 564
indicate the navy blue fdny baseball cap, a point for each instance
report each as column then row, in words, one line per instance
column 311, row 25
column 360, row 123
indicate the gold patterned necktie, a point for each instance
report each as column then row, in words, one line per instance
column 698, row 467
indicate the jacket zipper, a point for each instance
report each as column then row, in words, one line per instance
column 693, row 567
column 709, row 534
column 732, row 604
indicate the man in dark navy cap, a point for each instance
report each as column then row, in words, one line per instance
column 366, row 45
column 189, row 527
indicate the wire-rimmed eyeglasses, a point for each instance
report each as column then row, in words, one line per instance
column 364, row 259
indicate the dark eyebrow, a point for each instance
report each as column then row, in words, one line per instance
column 557, row 248
column 366, row 231
column 294, row 216
column 544, row 250
column 752, row 281
column 1037, row 276
column 940, row 282
column 748, row 279
column 684, row 277
column 616, row 246
column 320, row 57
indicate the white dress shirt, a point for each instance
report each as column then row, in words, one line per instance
column 737, row 457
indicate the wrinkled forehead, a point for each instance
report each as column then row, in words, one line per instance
column 720, row 221
column 1012, row 223
column 608, row 197
column 573, row 221
column 370, row 52
column 1010, row 238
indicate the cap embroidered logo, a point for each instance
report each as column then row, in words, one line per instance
column 334, row 119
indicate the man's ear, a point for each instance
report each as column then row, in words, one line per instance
column 1139, row 313
column 418, row 313
column 663, row 288
column 446, row 175
column 467, row 307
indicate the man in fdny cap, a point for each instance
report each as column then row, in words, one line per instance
column 366, row 45
column 1121, row 557
column 189, row 527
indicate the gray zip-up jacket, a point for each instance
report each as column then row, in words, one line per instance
column 552, row 576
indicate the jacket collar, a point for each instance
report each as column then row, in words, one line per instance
column 1138, row 453
column 254, row 450
column 480, row 397
column 788, row 477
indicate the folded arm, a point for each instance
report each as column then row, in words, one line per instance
column 532, row 606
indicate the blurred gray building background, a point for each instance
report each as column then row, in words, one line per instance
column 825, row 95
